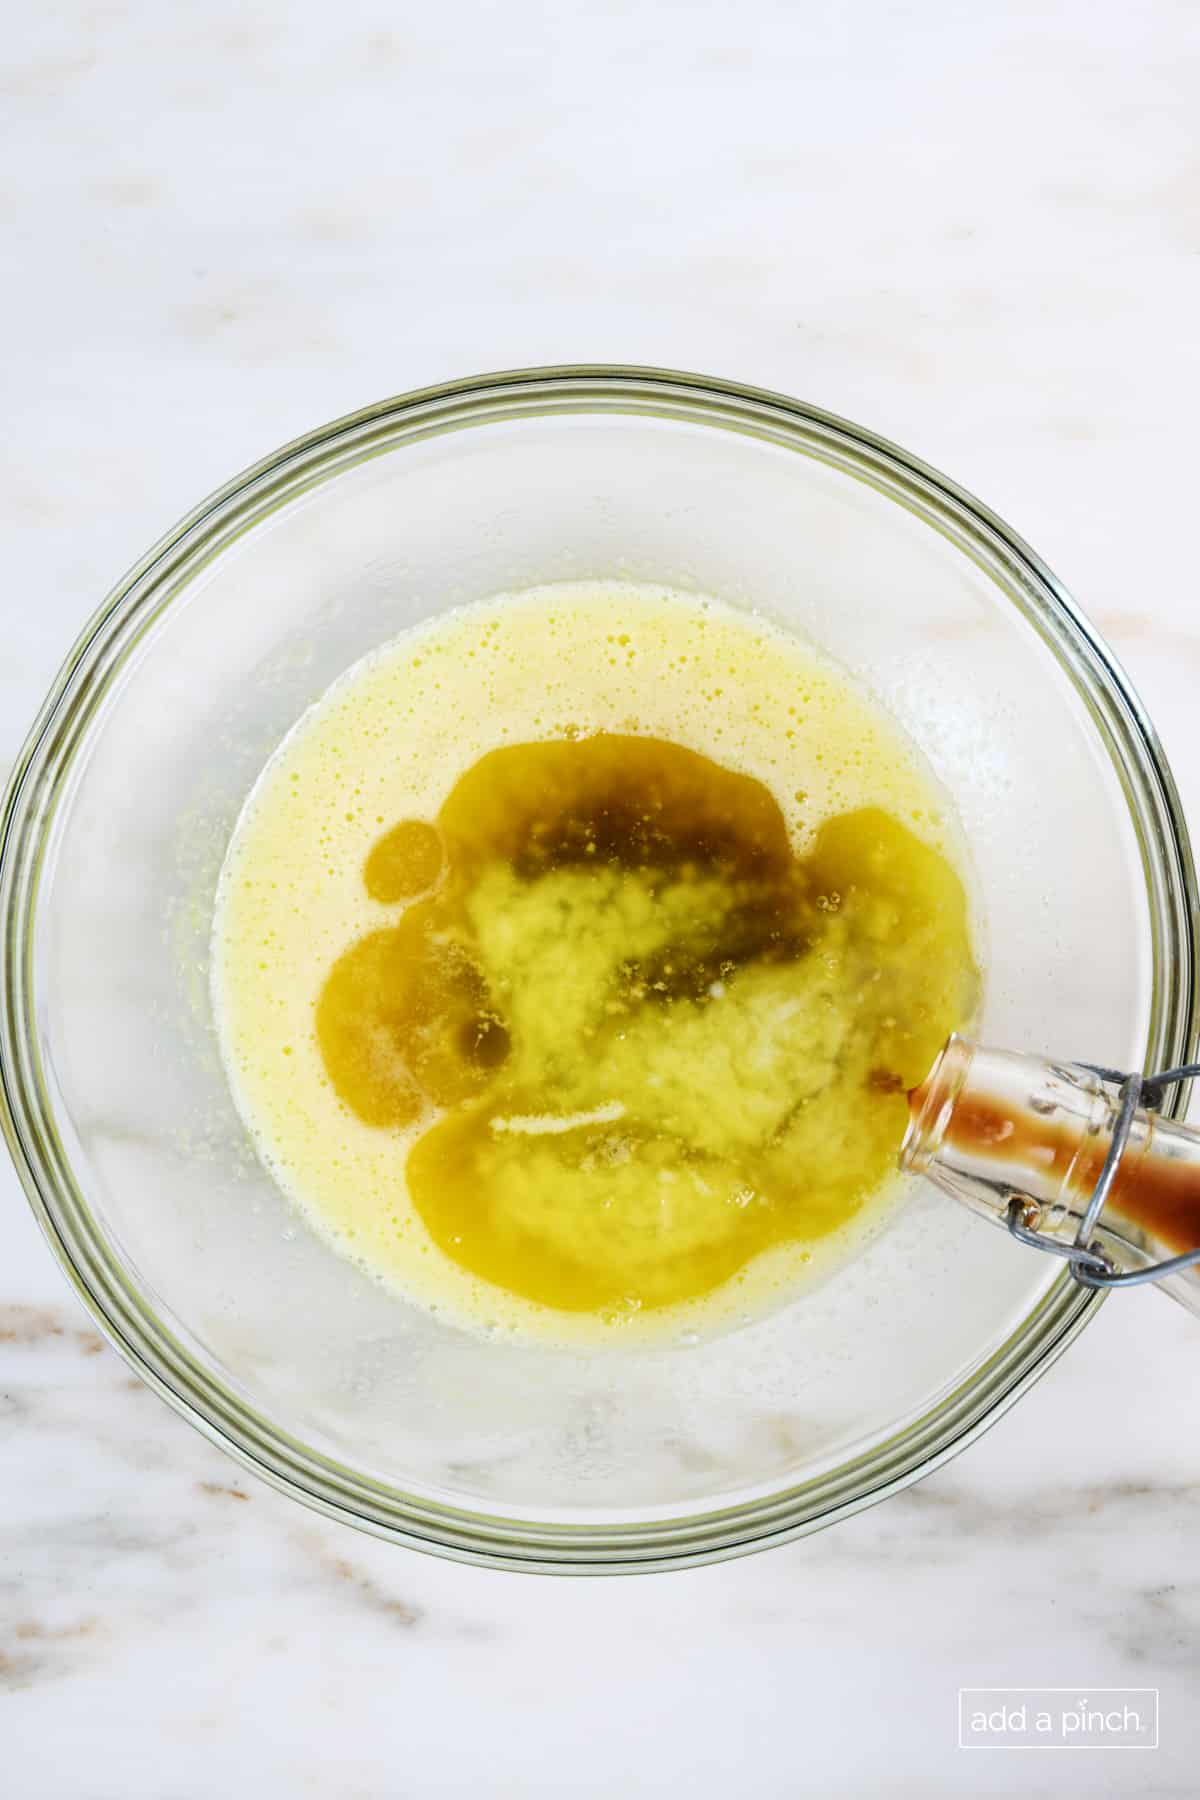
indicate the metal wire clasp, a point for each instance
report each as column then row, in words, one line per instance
column 1089, row 1264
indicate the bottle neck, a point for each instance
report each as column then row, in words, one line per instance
column 989, row 1125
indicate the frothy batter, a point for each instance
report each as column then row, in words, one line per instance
column 573, row 955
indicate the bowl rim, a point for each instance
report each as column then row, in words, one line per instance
column 61, row 729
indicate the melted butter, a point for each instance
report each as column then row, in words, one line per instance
column 611, row 1021
column 660, row 1042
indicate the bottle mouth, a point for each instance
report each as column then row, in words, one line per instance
column 931, row 1104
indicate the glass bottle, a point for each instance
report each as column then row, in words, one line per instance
column 990, row 1126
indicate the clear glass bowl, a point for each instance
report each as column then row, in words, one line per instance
column 116, row 1107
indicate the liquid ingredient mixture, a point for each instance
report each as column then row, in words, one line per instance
column 613, row 1025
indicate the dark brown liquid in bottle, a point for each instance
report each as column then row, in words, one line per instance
column 1158, row 1195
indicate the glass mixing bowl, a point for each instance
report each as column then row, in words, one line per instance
column 117, row 817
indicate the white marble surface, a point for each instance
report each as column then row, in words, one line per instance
column 977, row 229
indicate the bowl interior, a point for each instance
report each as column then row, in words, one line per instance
column 243, row 623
